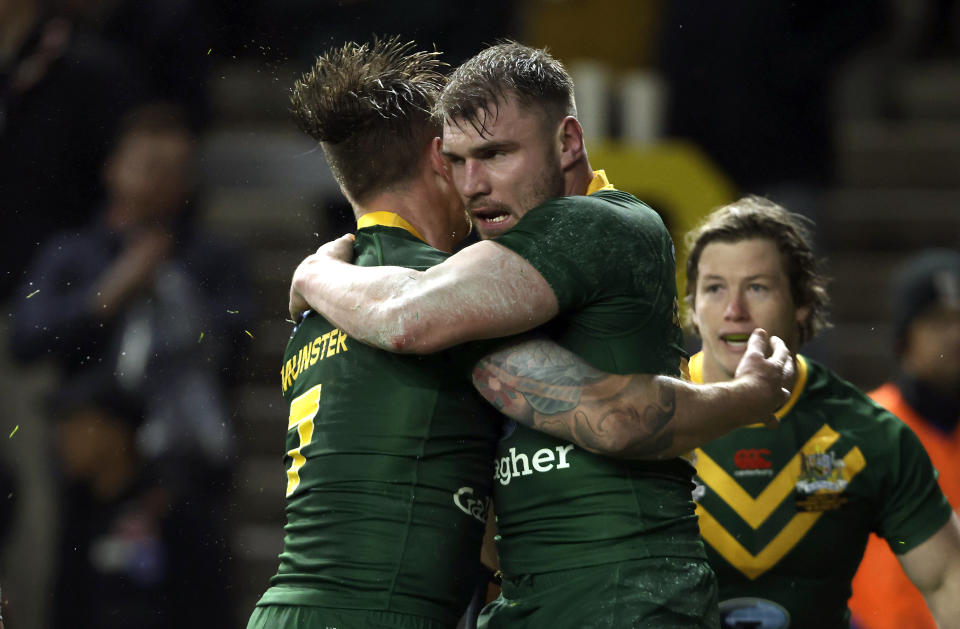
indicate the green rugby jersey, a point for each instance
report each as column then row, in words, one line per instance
column 610, row 262
column 388, row 466
column 786, row 513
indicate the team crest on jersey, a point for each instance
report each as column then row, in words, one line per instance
column 821, row 483
column 821, row 471
column 753, row 539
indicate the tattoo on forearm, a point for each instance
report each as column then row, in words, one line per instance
column 546, row 387
column 656, row 424
column 554, row 426
column 549, row 378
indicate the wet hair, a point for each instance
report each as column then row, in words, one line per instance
column 508, row 69
column 757, row 217
column 370, row 106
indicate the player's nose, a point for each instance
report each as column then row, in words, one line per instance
column 475, row 180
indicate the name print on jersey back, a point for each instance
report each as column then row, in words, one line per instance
column 322, row 347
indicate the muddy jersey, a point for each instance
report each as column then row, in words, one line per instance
column 610, row 263
column 786, row 512
column 388, row 466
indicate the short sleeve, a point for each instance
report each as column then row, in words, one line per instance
column 914, row 507
column 584, row 246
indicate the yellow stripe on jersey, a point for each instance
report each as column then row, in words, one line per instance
column 696, row 375
column 752, row 566
column 756, row 511
column 790, row 535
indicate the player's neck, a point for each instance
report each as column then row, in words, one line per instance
column 577, row 179
column 419, row 208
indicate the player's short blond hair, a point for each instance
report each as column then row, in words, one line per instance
column 370, row 106
column 508, row 69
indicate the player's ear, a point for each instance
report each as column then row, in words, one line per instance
column 438, row 162
column 571, row 143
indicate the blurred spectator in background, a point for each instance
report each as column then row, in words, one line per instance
column 750, row 83
column 925, row 394
column 142, row 296
column 133, row 553
column 61, row 93
column 141, row 306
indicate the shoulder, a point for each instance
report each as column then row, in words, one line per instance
column 608, row 214
column 853, row 412
column 604, row 203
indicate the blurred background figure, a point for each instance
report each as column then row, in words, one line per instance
column 134, row 550
column 146, row 317
column 925, row 394
column 142, row 298
column 59, row 87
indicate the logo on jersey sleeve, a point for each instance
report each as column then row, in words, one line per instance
column 474, row 506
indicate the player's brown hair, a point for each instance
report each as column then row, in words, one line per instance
column 757, row 217
column 482, row 83
column 370, row 106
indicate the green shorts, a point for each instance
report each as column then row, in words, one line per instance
column 660, row 593
column 308, row 617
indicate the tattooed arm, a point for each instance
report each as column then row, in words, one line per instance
column 640, row 416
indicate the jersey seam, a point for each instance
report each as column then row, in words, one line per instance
column 404, row 546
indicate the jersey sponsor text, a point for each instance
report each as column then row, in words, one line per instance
column 542, row 461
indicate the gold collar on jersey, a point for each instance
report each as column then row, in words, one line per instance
column 387, row 219
column 696, row 376
column 599, row 182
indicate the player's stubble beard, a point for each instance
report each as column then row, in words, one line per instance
column 545, row 185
